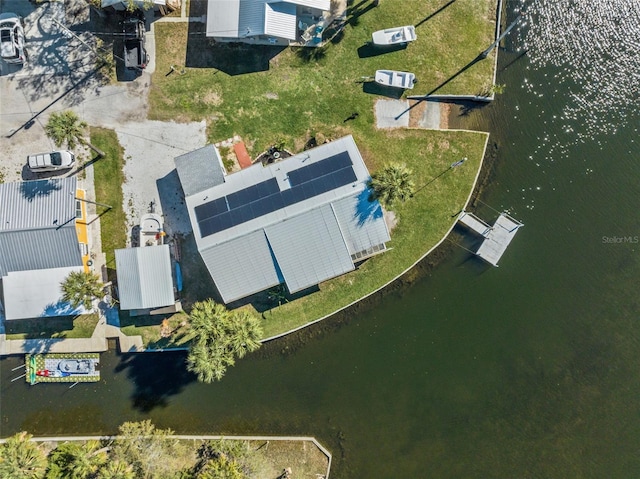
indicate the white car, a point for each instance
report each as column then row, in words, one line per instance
column 54, row 161
column 11, row 39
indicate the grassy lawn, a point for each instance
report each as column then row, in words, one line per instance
column 109, row 178
column 266, row 94
column 295, row 96
column 66, row 327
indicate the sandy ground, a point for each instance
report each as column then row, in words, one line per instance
column 150, row 147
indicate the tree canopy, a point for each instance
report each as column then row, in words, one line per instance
column 218, row 337
column 392, row 183
column 65, row 127
column 22, row 459
column 80, row 288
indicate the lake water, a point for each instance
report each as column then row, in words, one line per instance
column 526, row 370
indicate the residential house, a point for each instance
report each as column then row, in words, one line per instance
column 298, row 222
column 39, row 246
column 277, row 22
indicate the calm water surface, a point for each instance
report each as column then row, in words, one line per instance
column 527, row 370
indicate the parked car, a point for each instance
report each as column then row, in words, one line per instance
column 54, row 161
column 135, row 54
column 12, row 38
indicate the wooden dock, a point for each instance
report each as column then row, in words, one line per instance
column 496, row 237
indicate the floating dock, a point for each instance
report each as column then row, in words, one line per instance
column 62, row 368
column 496, row 237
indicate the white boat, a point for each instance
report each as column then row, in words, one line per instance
column 151, row 230
column 394, row 36
column 395, row 79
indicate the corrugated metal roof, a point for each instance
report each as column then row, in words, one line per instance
column 200, row 170
column 245, row 18
column 309, row 248
column 280, row 20
column 223, row 18
column 36, row 294
column 251, row 20
column 37, row 204
column 361, row 221
column 144, row 277
column 242, row 266
column 39, row 249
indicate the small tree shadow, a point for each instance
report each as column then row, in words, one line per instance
column 368, row 207
column 311, row 54
column 34, row 189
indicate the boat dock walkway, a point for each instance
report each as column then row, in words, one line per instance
column 496, row 237
column 97, row 343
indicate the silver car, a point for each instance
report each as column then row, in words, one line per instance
column 54, row 161
column 11, row 39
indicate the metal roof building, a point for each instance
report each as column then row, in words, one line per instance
column 144, row 277
column 299, row 221
column 38, row 243
column 239, row 19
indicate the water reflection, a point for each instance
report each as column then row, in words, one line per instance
column 592, row 47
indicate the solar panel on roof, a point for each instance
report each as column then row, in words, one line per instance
column 265, row 197
column 210, row 209
column 308, row 173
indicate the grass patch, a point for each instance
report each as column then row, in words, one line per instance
column 316, row 95
column 150, row 327
column 109, row 178
column 81, row 326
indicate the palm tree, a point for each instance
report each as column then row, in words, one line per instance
column 117, row 469
column 66, row 127
column 246, row 333
column 391, row 184
column 80, row 288
column 209, row 320
column 20, row 458
column 77, row 461
column 218, row 336
column 209, row 363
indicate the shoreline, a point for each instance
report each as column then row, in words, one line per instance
column 477, row 186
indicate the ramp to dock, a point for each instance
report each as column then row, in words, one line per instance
column 471, row 221
column 496, row 237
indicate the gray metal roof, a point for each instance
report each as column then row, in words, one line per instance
column 245, row 18
column 242, row 267
column 39, row 249
column 36, row 294
column 280, row 20
column 37, row 204
column 361, row 222
column 144, row 277
column 309, row 248
column 200, row 170
column 307, row 241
